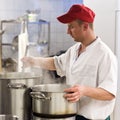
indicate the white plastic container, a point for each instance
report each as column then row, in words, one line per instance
column 32, row 17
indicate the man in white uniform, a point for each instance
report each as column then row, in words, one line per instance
column 89, row 66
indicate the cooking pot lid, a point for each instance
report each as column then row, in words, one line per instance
column 18, row 75
column 50, row 87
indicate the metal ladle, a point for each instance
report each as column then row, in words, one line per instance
column 14, row 43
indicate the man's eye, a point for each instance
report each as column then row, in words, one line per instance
column 71, row 27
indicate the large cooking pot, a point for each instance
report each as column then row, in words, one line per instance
column 48, row 101
column 15, row 93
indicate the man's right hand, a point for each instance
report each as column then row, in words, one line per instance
column 28, row 61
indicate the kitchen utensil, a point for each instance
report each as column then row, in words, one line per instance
column 48, row 101
column 15, row 91
column 22, row 44
column 1, row 33
column 15, row 43
column 33, row 15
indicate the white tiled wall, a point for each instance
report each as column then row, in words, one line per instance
column 49, row 10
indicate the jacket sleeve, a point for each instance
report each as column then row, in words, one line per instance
column 61, row 62
column 108, row 73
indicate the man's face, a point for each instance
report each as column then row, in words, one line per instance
column 76, row 31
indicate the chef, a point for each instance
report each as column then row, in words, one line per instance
column 89, row 66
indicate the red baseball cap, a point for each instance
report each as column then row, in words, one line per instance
column 78, row 11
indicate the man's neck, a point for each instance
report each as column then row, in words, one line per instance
column 89, row 41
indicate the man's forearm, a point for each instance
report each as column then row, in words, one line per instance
column 76, row 92
column 45, row 63
column 98, row 93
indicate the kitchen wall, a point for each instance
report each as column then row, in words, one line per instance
column 117, row 107
column 49, row 10
column 104, row 20
column 107, row 26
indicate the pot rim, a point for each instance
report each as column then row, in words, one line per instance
column 54, row 88
column 18, row 75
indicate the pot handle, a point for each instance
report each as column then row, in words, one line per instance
column 17, row 86
column 39, row 95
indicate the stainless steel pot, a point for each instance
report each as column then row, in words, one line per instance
column 48, row 101
column 15, row 91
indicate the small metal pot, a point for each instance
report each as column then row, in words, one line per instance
column 48, row 101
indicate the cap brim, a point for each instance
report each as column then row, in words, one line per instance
column 66, row 18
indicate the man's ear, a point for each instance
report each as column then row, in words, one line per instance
column 85, row 25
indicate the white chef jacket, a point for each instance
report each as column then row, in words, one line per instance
column 95, row 67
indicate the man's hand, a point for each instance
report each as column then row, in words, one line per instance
column 28, row 61
column 74, row 93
